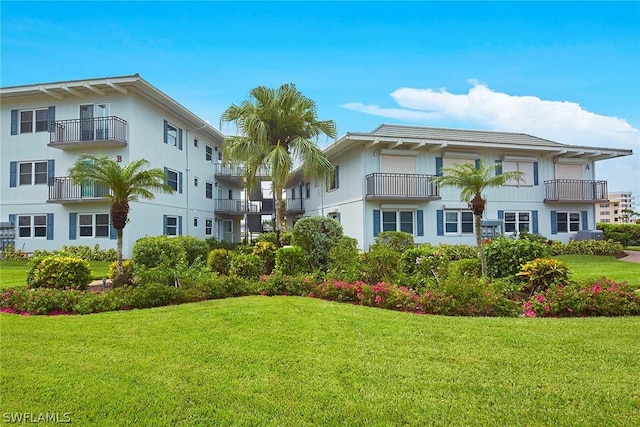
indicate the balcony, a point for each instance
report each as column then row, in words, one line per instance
column 401, row 186
column 62, row 190
column 254, row 207
column 575, row 190
column 235, row 172
column 98, row 132
column 293, row 206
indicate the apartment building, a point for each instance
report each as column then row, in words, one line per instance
column 608, row 212
column 384, row 181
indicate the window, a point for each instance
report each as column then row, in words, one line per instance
column 195, row 222
column 605, row 213
column 307, row 190
column 195, row 181
column 567, row 221
column 458, row 222
column 219, row 155
column 293, row 193
column 208, row 155
column 172, row 179
column 517, row 222
column 525, row 167
column 171, row 135
column 195, row 142
column 334, row 181
column 172, row 226
column 208, row 227
column 230, row 194
column 33, row 173
column 397, row 221
column 604, row 205
column 334, row 215
column 32, row 226
column 208, row 192
column 34, row 119
column 93, row 225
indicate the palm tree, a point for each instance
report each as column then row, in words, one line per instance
column 472, row 181
column 125, row 184
column 277, row 129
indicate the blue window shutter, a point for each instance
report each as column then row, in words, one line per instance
column 113, row 233
column 376, row 222
column 535, row 173
column 14, row 122
column 500, row 214
column 13, row 174
column 534, row 222
column 165, row 131
column 51, row 171
column 420, row 221
column 52, row 118
column 477, row 163
column 438, row 166
column 49, row 226
column 12, row 219
column 166, row 175
column 554, row 222
column 180, row 139
column 585, row 220
column 73, row 224
column 498, row 167
column 180, row 182
column 164, row 225
column 180, row 225
column 337, row 177
column 440, row 222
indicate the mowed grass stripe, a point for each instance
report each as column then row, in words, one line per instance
column 301, row 361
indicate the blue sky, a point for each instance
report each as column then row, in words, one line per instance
column 565, row 71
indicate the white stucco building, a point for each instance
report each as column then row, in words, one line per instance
column 383, row 181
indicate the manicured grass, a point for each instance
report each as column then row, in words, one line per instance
column 633, row 248
column 594, row 266
column 14, row 273
column 302, row 361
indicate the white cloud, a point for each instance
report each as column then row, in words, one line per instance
column 560, row 121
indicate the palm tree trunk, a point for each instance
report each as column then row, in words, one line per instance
column 119, row 249
column 279, row 216
column 478, row 229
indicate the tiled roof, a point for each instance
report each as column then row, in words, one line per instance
column 463, row 135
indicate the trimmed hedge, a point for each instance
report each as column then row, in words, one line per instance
column 627, row 234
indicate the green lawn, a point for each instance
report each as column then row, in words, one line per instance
column 585, row 266
column 302, row 361
column 14, row 273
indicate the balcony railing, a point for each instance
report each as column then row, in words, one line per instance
column 237, row 170
column 575, row 190
column 265, row 207
column 62, row 190
column 81, row 132
column 401, row 186
column 293, row 205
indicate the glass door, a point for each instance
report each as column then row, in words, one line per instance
column 101, row 113
column 86, row 123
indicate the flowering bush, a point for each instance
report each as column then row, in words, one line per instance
column 541, row 273
column 281, row 284
column 505, row 255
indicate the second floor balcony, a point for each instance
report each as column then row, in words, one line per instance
column 63, row 190
column 235, row 172
column 575, row 190
column 401, row 186
column 253, row 207
column 89, row 133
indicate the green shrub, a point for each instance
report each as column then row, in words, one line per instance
column 247, row 266
column 556, row 247
column 381, row 264
column 619, row 237
column 410, row 255
column 467, row 268
column 10, row 254
column 194, row 248
column 90, row 254
column 291, row 261
column 316, row 235
column 610, row 231
column 542, row 273
column 271, row 238
column 60, row 272
column 266, row 251
column 213, row 243
column 505, row 255
column 219, row 261
column 459, row 251
column 127, row 267
column 396, row 240
column 594, row 247
column 150, row 252
column 345, row 260
column 284, row 284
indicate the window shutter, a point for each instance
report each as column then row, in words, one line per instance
column 376, row 222
column 113, row 233
column 12, row 219
column 180, row 225
column 52, row 118
column 498, row 167
column 180, row 139
column 13, row 174
column 477, row 163
column 440, row 222
column 164, row 225
column 166, row 175
column 180, row 182
column 554, row 222
column 51, row 171
column 535, row 173
column 49, row 226
column 165, row 132
column 438, row 166
column 534, row 222
column 337, row 177
column 73, row 224
column 585, row 220
column 500, row 214
column 420, row 222
column 14, row 122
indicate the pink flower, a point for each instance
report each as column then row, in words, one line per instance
column 530, row 313
column 378, row 299
column 596, row 288
column 540, row 298
column 570, row 310
column 311, row 295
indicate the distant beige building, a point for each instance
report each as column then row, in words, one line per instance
column 613, row 211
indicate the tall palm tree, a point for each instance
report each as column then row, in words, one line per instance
column 277, row 129
column 126, row 184
column 472, row 181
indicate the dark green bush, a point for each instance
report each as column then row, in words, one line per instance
column 381, row 264
column 594, row 247
column 90, row 254
column 345, row 260
column 505, row 255
column 127, row 267
column 622, row 238
column 215, row 244
column 459, row 251
column 282, row 284
column 194, row 248
column 219, row 261
column 467, row 268
column 632, row 231
column 150, row 252
column 60, row 272
column 410, row 255
column 291, row 260
column 316, row 235
column 271, row 238
column 396, row 240
column 247, row 266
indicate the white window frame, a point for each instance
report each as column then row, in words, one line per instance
column 33, row 174
column 208, row 153
column 172, row 138
column 398, row 220
column 208, row 190
column 519, row 219
column 94, row 226
column 31, row 227
column 196, row 143
column 307, row 190
column 526, row 167
column 170, row 181
column 208, row 227
column 172, row 229
column 33, row 121
column 458, row 222
column 572, row 224
column 334, row 180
